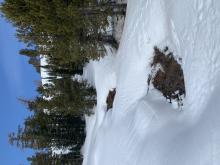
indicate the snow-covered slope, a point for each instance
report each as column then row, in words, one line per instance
column 143, row 129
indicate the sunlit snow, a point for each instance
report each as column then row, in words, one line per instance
column 144, row 129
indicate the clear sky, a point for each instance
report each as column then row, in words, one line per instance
column 16, row 80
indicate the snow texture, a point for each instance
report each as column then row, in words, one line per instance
column 142, row 128
column 43, row 71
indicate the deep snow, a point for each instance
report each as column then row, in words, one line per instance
column 144, row 129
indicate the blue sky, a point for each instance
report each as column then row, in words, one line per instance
column 16, row 80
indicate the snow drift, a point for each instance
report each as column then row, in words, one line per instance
column 142, row 128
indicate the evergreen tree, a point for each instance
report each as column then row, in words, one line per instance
column 68, row 33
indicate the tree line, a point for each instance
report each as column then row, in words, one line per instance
column 67, row 33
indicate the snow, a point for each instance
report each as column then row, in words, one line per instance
column 103, row 78
column 63, row 151
column 143, row 128
column 118, row 25
column 43, row 71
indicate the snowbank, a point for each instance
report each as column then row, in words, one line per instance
column 143, row 128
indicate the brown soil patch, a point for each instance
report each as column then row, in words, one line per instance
column 169, row 78
column 110, row 98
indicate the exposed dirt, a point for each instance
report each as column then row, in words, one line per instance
column 110, row 98
column 168, row 78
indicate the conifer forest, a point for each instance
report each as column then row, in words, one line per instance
column 67, row 33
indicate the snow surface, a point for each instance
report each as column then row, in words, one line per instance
column 142, row 128
column 43, row 71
